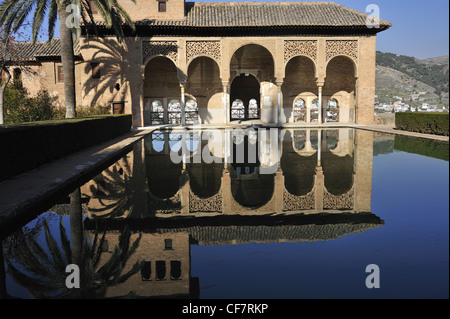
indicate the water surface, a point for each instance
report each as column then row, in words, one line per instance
column 248, row 214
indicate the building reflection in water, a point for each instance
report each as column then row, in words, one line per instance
column 303, row 185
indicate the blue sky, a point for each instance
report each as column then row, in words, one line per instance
column 420, row 28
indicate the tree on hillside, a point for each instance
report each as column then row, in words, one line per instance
column 15, row 13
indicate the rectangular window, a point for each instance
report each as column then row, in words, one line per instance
column 60, row 74
column 162, row 6
column 168, row 244
column 95, row 70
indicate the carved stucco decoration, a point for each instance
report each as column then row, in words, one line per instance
column 164, row 206
column 208, row 48
column 338, row 202
column 342, row 47
column 300, row 47
column 294, row 203
column 166, row 48
column 210, row 204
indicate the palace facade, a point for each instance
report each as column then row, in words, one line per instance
column 216, row 63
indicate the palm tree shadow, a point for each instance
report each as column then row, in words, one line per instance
column 120, row 190
column 41, row 267
column 112, row 84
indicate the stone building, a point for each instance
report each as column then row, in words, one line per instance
column 215, row 63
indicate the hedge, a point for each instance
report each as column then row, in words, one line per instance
column 431, row 123
column 426, row 147
column 29, row 145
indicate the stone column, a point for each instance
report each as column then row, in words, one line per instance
column 319, row 89
column 227, row 197
column 226, row 148
column 279, row 101
column 363, row 170
column 183, row 106
column 308, row 110
column 279, row 180
column 308, row 146
column 225, row 103
column 319, row 148
column 319, row 185
column 185, row 188
column 319, row 178
column 278, row 191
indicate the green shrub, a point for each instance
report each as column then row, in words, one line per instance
column 431, row 123
column 29, row 145
column 426, row 147
column 20, row 107
column 83, row 111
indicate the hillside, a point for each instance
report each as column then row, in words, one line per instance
column 416, row 81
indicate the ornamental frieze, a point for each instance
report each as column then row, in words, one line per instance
column 342, row 47
column 196, row 48
column 211, row 204
column 165, row 48
column 294, row 203
column 164, row 206
column 338, row 202
column 300, row 47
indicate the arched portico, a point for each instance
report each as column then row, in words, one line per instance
column 339, row 90
column 161, row 92
column 252, row 75
column 299, row 83
column 204, row 83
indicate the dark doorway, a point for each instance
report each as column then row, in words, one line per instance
column 245, row 98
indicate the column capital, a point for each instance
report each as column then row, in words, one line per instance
column 320, row 83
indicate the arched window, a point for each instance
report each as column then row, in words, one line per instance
column 175, row 141
column 332, row 111
column 160, row 270
column 175, row 269
column 157, row 113
column 299, row 110
column 332, row 139
column 315, row 110
column 158, row 141
column 299, row 140
column 253, row 109
column 174, row 111
column 191, row 111
column 237, row 109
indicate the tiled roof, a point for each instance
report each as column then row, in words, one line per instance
column 265, row 14
column 27, row 51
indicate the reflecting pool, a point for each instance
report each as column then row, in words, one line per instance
column 246, row 213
